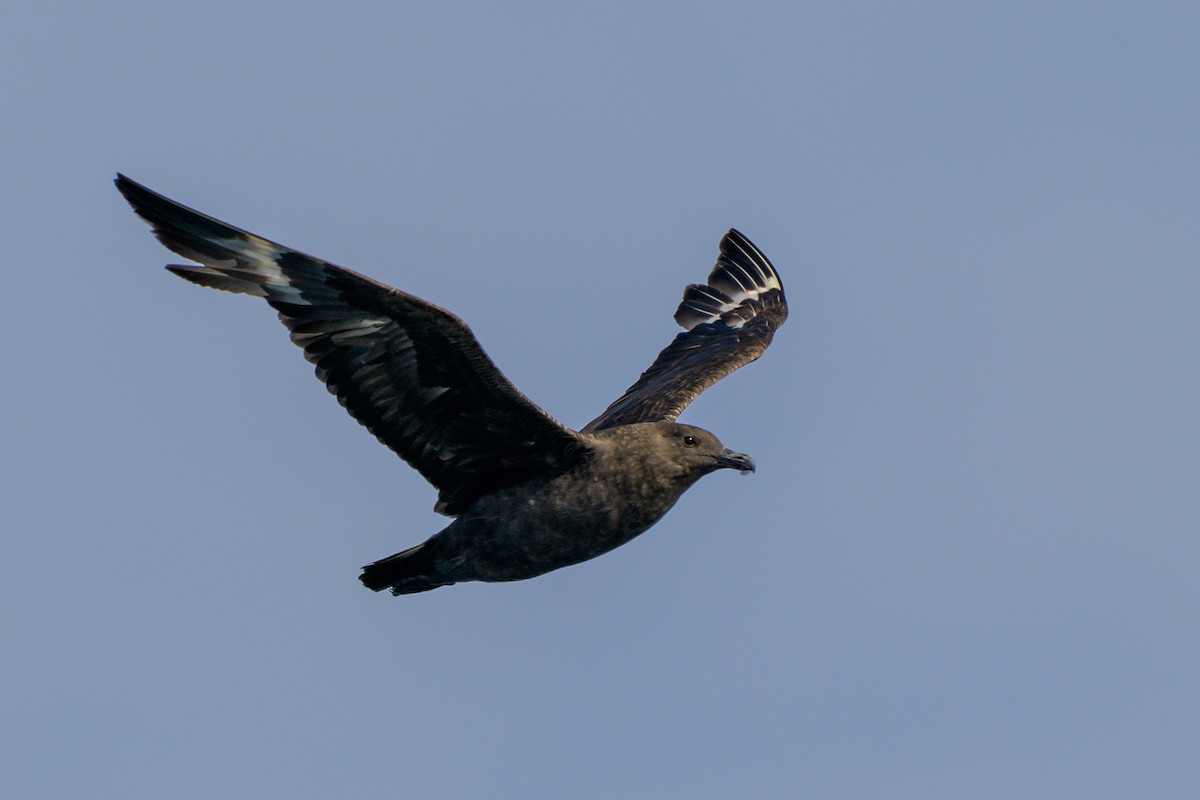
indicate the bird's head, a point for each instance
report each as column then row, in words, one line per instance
column 668, row 453
column 700, row 452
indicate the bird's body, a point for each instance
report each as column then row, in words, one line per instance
column 529, row 494
column 633, row 478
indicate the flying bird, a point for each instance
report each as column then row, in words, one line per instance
column 528, row 494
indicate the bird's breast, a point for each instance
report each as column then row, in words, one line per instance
column 543, row 525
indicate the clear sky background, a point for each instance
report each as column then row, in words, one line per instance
column 967, row 567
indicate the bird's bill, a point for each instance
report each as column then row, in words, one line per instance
column 731, row 460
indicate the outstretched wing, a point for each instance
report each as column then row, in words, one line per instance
column 728, row 323
column 411, row 372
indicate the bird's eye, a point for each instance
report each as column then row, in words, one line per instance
column 690, row 441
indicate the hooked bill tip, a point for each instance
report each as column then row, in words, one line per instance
column 739, row 461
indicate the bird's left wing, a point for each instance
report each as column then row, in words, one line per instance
column 728, row 323
column 411, row 372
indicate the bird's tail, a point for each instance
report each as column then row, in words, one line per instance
column 407, row 572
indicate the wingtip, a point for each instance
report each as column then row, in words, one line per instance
column 123, row 183
column 134, row 193
column 742, row 273
column 735, row 237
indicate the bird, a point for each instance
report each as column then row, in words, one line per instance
column 527, row 494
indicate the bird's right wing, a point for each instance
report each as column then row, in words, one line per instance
column 411, row 372
column 728, row 323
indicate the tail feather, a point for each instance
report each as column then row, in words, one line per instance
column 406, row 572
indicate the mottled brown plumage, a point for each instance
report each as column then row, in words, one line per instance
column 530, row 495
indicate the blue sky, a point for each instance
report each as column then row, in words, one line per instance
column 966, row 567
